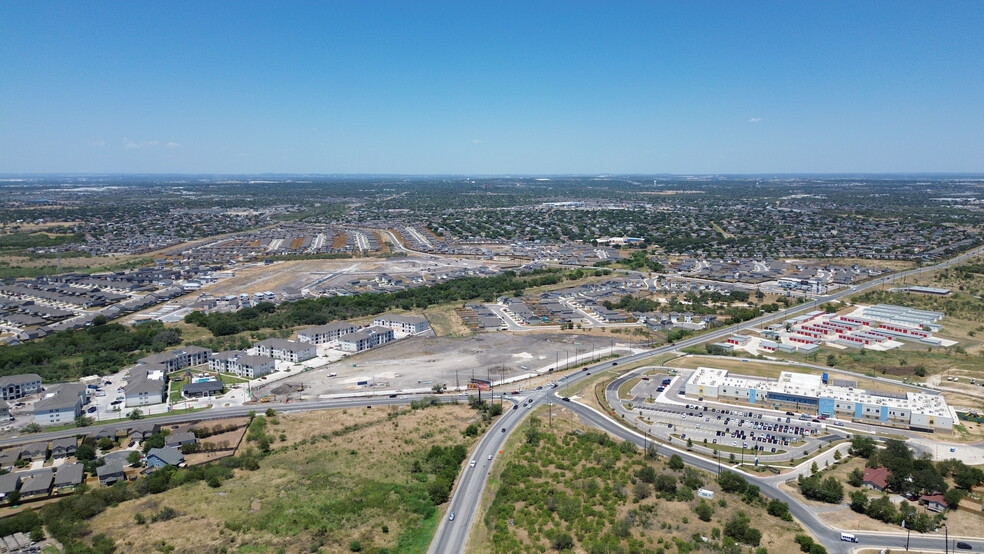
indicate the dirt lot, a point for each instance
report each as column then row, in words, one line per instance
column 325, row 274
column 421, row 362
column 227, row 442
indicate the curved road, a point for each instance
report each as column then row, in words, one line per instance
column 451, row 536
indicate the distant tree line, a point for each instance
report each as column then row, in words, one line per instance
column 100, row 349
column 318, row 311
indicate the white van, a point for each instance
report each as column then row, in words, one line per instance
column 847, row 537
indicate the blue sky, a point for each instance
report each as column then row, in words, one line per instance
column 494, row 87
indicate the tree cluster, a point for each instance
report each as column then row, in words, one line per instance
column 100, row 349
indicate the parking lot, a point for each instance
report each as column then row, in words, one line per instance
column 726, row 428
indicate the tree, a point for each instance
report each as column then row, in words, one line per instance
column 738, row 528
column 136, row 414
column 105, row 444
column 831, row 360
column 562, row 541
column 83, row 421
column 704, row 510
column 730, row 481
column 646, row 474
column 675, row 463
column 779, row 509
column 827, row 490
column 133, row 458
column 862, row 446
column 665, row 483
column 859, row 501
column 270, row 412
column 85, row 452
column 968, row 477
column 856, row 477
column 882, row 509
column 953, row 497
column 928, row 481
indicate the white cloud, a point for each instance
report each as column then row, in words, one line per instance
column 476, row 141
column 755, row 120
column 133, row 145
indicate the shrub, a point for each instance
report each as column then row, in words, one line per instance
column 704, row 511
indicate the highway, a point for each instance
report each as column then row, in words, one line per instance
column 452, row 536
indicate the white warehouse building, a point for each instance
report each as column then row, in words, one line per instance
column 813, row 394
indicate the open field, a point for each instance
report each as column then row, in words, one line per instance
column 572, row 487
column 334, row 477
column 446, row 322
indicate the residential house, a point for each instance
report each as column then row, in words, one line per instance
column 180, row 439
column 9, row 482
column 111, row 472
column 8, row 458
column 68, row 476
column 366, row 339
column 875, row 478
column 325, row 333
column 63, row 448
column 407, row 324
column 13, row 387
column 934, row 502
column 141, row 432
column 286, row 350
column 60, row 405
column 167, row 456
column 202, row 389
column 37, row 484
column 36, row 451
